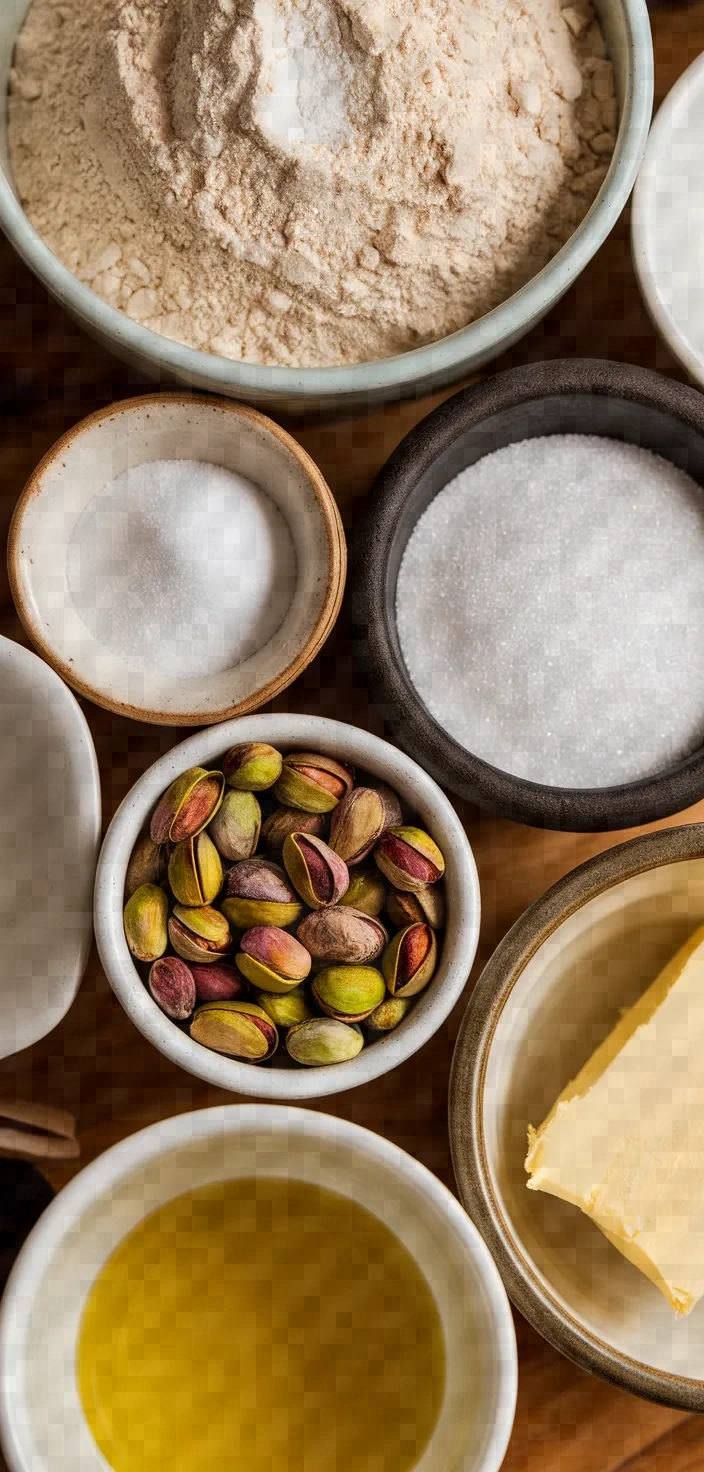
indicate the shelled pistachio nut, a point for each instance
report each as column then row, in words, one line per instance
column 320, row 875
column 323, row 1040
column 145, row 922
column 409, row 960
column 404, row 908
column 389, row 1014
column 173, row 988
column 291, row 820
column 252, row 766
column 339, row 933
column 187, row 805
column 199, row 934
column 257, row 892
column 348, row 993
column 367, row 892
column 356, row 823
column 236, row 826
column 408, row 858
column 239, row 1029
column 272, row 959
column 147, row 865
column 218, row 982
column 285, row 1010
column 313, row 782
column 195, row 871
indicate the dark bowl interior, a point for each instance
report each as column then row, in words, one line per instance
column 583, row 396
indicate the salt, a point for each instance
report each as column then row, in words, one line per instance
column 550, row 609
column 181, row 567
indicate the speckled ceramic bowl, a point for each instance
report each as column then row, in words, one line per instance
column 551, row 992
column 627, row 31
column 129, row 434
column 281, row 1079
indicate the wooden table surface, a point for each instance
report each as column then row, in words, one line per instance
column 96, row 1064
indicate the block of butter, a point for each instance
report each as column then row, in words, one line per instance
column 625, row 1140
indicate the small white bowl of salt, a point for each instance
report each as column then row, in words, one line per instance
column 177, row 559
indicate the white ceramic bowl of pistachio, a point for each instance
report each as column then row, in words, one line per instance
column 280, row 1077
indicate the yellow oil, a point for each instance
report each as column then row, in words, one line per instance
column 261, row 1326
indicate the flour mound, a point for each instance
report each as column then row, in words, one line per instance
column 309, row 182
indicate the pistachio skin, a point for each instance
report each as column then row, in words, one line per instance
column 187, row 806
column 236, row 826
column 318, row 874
column 258, row 893
column 409, row 858
column 340, row 933
column 253, row 766
column 286, row 1010
column 367, row 892
column 348, row 993
column 145, row 922
column 199, row 934
column 313, row 782
column 356, row 823
column 322, row 1041
column 291, row 820
column 387, row 1016
column 409, row 960
column 424, row 906
column 218, row 982
column 272, row 960
column 195, row 871
column 147, row 865
column 173, row 988
column 238, row 1029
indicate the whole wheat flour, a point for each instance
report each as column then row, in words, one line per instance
column 308, row 182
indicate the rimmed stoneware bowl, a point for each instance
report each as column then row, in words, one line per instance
column 282, row 1079
column 551, row 992
column 580, row 396
column 173, row 427
column 43, row 1426
column 627, row 32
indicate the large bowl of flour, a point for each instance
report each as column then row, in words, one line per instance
column 323, row 202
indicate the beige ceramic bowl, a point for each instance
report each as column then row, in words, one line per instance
column 551, row 992
column 173, row 426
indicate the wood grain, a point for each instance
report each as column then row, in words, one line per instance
column 95, row 1064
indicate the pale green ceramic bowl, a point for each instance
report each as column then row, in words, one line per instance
column 627, row 32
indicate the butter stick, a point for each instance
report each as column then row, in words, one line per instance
column 625, row 1139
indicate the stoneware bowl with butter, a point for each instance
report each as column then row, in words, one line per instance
column 124, row 437
column 41, row 1418
column 555, row 987
column 627, row 33
column 281, row 1079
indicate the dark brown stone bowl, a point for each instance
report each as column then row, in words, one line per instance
column 583, row 396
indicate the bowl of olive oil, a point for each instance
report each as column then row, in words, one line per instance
column 254, row 1288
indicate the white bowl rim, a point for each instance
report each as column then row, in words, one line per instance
column 148, row 1144
column 642, row 219
column 444, row 357
column 279, row 1083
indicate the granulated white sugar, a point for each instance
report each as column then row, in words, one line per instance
column 182, row 567
column 550, row 608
